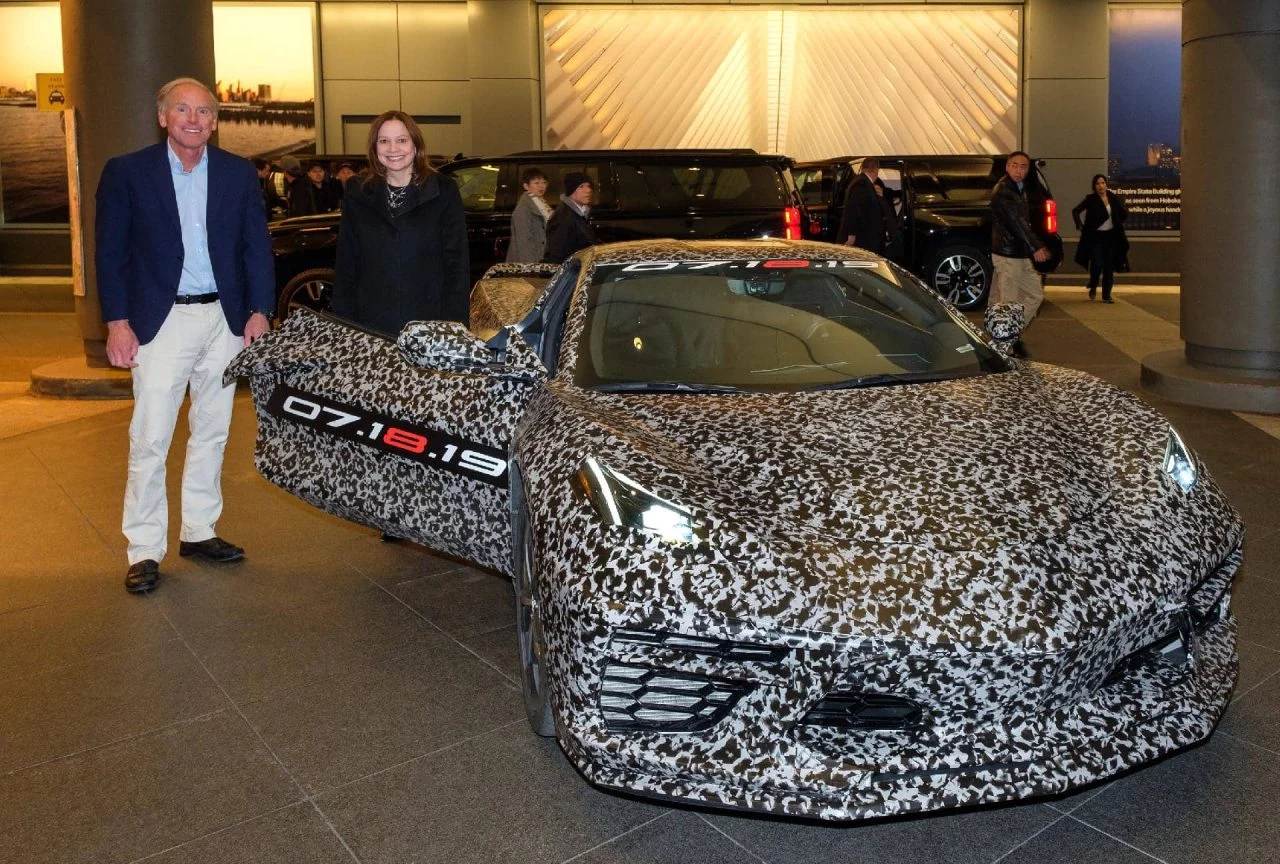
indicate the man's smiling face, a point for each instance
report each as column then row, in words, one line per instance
column 189, row 117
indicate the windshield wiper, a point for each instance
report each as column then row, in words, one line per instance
column 665, row 387
column 891, row 378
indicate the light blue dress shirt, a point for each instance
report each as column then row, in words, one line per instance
column 192, row 191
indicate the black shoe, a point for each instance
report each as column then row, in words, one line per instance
column 1093, row 292
column 390, row 538
column 142, row 577
column 215, row 549
column 1020, row 351
column 1107, row 300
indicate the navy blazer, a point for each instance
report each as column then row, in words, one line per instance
column 139, row 240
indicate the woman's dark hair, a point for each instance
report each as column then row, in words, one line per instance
column 1093, row 184
column 375, row 169
column 531, row 174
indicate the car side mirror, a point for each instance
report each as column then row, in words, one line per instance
column 502, row 302
column 1003, row 323
column 448, row 346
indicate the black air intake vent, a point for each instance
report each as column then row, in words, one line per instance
column 865, row 711
column 725, row 649
column 663, row 700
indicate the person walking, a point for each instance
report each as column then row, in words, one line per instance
column 569, row 228
column 863, row 222
column 529, row 219
column 1014, row 244
column 402, row 241
column 185, row 281
column 1102, row 242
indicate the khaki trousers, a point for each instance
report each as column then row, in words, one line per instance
column 1016, row 281
column 192, row 349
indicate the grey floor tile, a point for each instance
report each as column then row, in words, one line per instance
column 1070, row 842
column 1262, row 554
column 342, row 728
column 508, row 796
column 55, row 634
column 390, row 564
column 967, row 837
column 1255, row 716
column 1256, row 605
column 308, row 642
column 1257, row 664
column 462, row 602
column 294, row 835
column 498, row 647
column 1212, row 803
column 140, row 796
column 74, row 708
column 676, row 837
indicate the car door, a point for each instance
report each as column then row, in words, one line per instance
column 409, row 436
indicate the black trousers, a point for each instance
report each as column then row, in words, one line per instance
column 1102, row 262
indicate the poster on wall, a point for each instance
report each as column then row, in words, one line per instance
column 1144, row 152
column 264, row 57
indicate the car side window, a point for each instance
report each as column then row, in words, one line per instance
column 816, row 185
column 479, row 187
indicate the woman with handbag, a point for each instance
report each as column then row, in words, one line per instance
column 1102, row 242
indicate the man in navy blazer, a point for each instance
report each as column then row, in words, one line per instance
column 185, row 281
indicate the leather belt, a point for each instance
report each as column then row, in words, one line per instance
column 184, row 299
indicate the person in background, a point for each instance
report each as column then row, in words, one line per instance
column 863, row 222
column 529, row 219
column 183, row 287
column 402, row 241
column 270, row 200
column 1014, row 244
column 894, row 245
column 311, row 194
column 1102, row 242
column 569, row 228
column 344, row 173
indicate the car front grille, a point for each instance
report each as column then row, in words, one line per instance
column 865, row 711
column 724, row 649
column 636, row 697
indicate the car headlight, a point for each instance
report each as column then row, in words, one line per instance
column 622, row 501
column 1178, row 463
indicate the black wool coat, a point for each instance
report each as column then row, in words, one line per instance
column 567, row 232
column 863, row 216
column 411, row 266
column 1095, row 213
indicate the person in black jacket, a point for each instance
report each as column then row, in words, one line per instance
column 1014, row 244
column 569, row 228
column 311, row 193
column 402, row 241
column 863, row 224
column 1102, row 242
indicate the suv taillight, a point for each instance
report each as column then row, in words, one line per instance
column 791, row 223
column 1051, row 216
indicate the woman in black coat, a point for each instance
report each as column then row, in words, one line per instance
column 1102, row 242
column 402, row 241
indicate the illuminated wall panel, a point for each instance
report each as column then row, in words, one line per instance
column 809, row 83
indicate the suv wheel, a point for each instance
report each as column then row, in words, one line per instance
column 310, row 288
column 962, row 274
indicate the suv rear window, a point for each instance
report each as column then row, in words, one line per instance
column 956, row 180
column 707, row 188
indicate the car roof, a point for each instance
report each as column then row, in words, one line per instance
column 722, row 250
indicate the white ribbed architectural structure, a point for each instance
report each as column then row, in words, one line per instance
column 809, row 83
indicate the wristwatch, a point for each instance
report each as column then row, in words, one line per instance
column 265, row 312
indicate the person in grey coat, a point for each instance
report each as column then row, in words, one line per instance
column 529, row 219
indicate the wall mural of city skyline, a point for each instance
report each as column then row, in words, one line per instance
column 266, row 89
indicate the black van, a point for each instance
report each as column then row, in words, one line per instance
column 640, row 194
column 944, row 209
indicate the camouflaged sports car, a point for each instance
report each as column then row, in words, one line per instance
column 786, row 532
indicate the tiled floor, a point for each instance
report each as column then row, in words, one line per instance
column 336, row 699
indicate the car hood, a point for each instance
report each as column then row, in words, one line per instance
column 973, row 463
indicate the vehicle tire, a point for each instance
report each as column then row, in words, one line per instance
column 312, row 289
column 962, row 274
column 529, row 638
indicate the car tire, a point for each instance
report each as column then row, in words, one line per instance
column 962, row 274
column 312, row 289
column 529, row 639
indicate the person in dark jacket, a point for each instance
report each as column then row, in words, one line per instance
column 862, row 223
column 569, row 228
column 894, row 243
column 529, row 219
column 1102, row 241
column 1014, row 244
column 311, row 193
column 402, row 241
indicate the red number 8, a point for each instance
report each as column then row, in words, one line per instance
column 404, row 440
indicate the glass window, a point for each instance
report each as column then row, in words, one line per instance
column 769, row 326
column 707, row 188
column 956, row 180
column 601, row 198
column 816, row 185
column 478, row 185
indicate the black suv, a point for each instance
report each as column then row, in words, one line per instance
column 944, row 210
column 640, row 194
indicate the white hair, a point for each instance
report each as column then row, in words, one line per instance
column 162, row 98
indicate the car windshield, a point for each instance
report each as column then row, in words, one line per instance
column 780, row 325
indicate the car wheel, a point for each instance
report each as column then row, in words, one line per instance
column 312, row 289
column 529, row 636
column 962, row 274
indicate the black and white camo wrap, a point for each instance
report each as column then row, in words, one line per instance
column 993, row 548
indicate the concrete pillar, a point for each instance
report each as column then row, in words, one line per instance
column 1230, row 186
column 116, row 54
column 506, row 99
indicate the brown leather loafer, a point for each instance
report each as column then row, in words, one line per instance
column 215, row 549
column 142, row 577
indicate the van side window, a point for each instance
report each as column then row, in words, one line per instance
column 682, row 187
column 479, row 187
